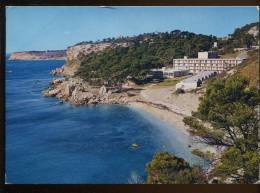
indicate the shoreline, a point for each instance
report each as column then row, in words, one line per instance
column 175, row 121
column 166, row 116
column 160, row 102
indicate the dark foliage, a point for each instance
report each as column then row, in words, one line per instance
column 144, row 52
column 166, row 168
column 229, row 107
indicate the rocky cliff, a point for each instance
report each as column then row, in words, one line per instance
column 253, row 31
column 78, row 92
column 73, row 52
column 39, row 55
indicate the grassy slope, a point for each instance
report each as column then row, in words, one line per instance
column 250, row 68
column 230, row 55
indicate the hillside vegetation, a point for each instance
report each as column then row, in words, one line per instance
column 250, row 68
column 145, row 52
column 245, row 36
column 153, row 50
column 226, row 117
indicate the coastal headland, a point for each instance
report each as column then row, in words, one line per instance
column 157, row 100
column 153, row 98
column 131, row 104
column 93, row 61
column 39, row 55
column 115, row 71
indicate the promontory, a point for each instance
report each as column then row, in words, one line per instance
column 39, row 55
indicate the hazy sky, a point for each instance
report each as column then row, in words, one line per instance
column 42, row 28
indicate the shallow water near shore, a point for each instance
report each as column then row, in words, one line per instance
column 52, row 142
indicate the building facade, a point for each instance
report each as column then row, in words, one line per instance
column 206, row 62
column 173, row 73
column 206, row 55
column 196, row 65
column 170, row 72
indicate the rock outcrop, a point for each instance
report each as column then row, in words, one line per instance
column 79, row 92
column 74, row 52
column 39, row 55
column 57, row 71
column 253, row 31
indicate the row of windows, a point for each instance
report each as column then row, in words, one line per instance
column 209, row 68
column 196, row 71
column 205, row 61
column 184, row 60
column 207, row 65
column 204, row 68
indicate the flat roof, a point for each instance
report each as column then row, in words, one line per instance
column 198, row 76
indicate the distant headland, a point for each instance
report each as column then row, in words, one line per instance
column 39, row 55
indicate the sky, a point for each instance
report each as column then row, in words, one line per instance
column 52, row 28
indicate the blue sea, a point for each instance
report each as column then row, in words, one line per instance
column 52, row 142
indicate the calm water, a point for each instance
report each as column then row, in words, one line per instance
column 49, row 142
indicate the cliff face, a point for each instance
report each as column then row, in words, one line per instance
column 73, row 52
column 253, row 31
column 39, row 55
column 79, row 92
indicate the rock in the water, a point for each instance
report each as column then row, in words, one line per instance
column 134, row 145
column 92, row 101
column 58, row 80
column 52, row 93
column 79, row 92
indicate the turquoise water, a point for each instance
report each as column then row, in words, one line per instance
column 49, row 142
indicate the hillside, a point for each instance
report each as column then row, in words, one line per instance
column 134, row 56
column 245, row 36
column 84, row 48
column 250, row 68
column 139, row 55
column 39, row 55
column 251, row 29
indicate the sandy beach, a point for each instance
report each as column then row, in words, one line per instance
column 164, row 104
column 168, row 117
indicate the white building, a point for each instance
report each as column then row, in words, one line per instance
column 215, row 45
column 202, row 55
column 194, row 81
column 171, row 72
column 206, row 62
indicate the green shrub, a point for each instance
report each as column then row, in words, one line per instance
column 166, row 168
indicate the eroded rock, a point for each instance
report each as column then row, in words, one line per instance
column 79, row 92
column 102, row 90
